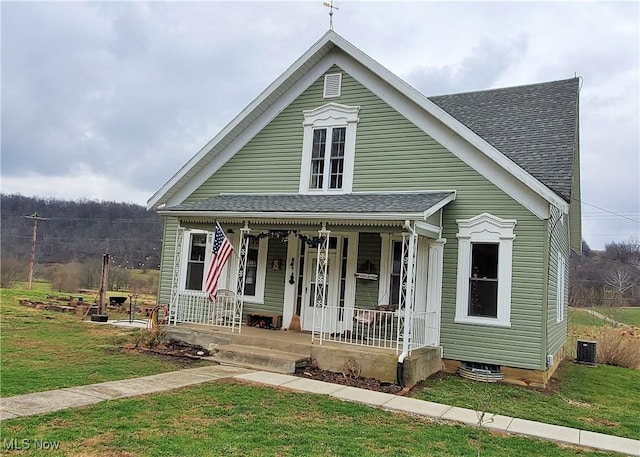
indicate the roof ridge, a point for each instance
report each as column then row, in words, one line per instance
column 500, row 89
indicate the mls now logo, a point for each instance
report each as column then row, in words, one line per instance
column 25, row 444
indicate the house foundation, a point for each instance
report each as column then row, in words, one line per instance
column 262, row 346
column 517, row 376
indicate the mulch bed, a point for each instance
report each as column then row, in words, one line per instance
column 313, row 372
column 179, row 349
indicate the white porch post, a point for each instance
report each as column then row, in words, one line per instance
column 321, row 280
column 242, row 274
column 175, row 286
column 408, row 269
column 434, row 290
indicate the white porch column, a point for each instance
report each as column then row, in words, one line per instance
column 434, row 290
column 321, row 281
column 175, row 286
column 408, row 273
column 242, row 272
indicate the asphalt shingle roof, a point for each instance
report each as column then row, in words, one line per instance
column 535, row 126
column 398, row 202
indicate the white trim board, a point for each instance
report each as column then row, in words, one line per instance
column 445, row 129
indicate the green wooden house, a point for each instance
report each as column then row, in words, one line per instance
column 376, row 216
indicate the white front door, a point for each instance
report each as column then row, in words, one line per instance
column 312, row 314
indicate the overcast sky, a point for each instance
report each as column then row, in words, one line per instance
column 107, row 100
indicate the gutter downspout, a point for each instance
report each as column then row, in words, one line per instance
column 408, row 306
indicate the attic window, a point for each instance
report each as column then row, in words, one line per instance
column 332, row 85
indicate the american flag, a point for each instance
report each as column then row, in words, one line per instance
column 222, row 249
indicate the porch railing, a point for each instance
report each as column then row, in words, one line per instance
column 194, row 307
column 363, row 327
column 424, row 330
column 374, row 328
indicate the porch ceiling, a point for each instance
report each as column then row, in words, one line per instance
column 356, row 206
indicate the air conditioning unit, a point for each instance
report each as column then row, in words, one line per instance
column 586, row 352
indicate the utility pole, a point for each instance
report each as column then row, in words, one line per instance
column 104, row 285
column 35, row 219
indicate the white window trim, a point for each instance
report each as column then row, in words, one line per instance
column 329, row 115
column 485, row 228
column 560, row 287
column 186, row 251
column 232, row 266
column 386, row 260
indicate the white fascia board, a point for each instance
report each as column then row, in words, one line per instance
column 438, row 206
column 255, row 104
column 429, row 230
column 252, row 130
column 296, row 215
column 453, row 135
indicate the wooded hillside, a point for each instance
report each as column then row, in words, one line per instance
column 80, row 231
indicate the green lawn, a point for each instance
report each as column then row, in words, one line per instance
column 43, row 350
column 630, row 316
column 601, row 399
column 583, row 318
column 225, row 418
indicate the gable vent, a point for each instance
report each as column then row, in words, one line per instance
column 332, row 85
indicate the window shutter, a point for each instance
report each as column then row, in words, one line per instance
column 332, row 85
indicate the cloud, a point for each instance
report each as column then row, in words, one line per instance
column 479, row 70
column 109, row 99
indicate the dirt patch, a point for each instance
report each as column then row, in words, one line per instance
column 186, row 354
column 313, row 372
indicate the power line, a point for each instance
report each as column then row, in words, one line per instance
column 608, row 211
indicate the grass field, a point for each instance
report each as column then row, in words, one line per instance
column 224, row 418
column 44, row 350
column 601, row 399
column 582, row 318
column 629, row 316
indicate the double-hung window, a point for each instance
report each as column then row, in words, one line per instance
column 483, row 283
column 328, row 149
column 196, row 255
column 560, row 287
column 327, row 158
column 394, row 280
column 483, row 292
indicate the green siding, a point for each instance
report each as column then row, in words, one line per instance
column 393, row 154
column 369, row 246
column 559, row 242
column 274, row 281
column 166, row 260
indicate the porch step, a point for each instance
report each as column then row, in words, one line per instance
column 260, row 358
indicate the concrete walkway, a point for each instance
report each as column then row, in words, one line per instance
column 55, row 400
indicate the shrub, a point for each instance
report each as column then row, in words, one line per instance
column 149, row 339
column 619, row 347
column 12, row 270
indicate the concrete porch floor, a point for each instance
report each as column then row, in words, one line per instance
column 284, row 350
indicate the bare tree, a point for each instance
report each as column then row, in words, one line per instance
column 12, row 270
column 620, row 281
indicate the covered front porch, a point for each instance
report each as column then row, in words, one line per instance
column 367, row 278
column 287, row 352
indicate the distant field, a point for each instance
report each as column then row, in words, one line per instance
column 630, row 316
column 581, row 316
column 43, row 350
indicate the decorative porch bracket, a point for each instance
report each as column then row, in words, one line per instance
column 243, row 251
column 321, row 281
column 407, row 276
column 177, row 256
